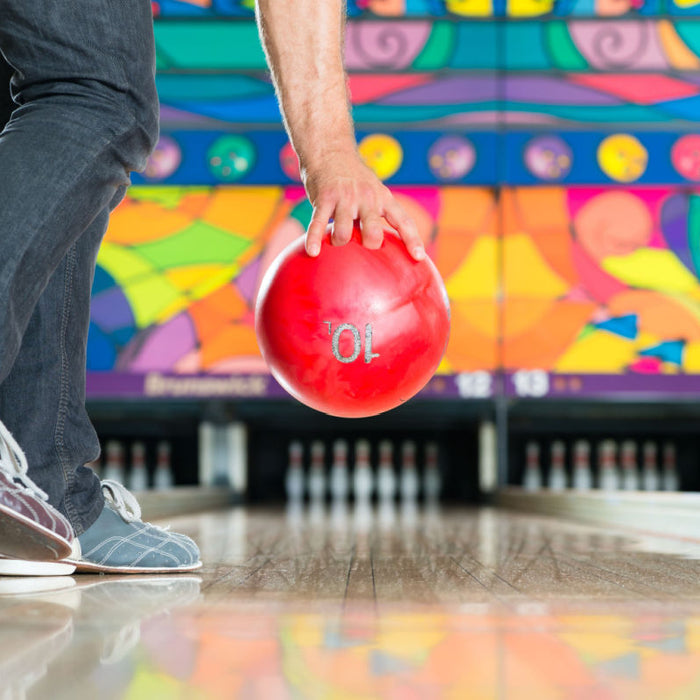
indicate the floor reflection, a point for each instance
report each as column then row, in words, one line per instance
column 251, row 625
column 162, row 646
column 88, row 637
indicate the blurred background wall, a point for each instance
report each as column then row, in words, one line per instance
column 549, row 152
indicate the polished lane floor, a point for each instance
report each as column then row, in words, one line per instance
column 370, row 603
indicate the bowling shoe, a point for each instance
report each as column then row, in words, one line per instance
column 120, row 542
column 30, row 528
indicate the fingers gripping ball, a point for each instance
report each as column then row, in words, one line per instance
column 353, row 332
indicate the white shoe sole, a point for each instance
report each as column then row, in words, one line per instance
column 25, row 567
column 85, row 567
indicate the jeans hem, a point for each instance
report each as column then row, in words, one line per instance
column 80, row 525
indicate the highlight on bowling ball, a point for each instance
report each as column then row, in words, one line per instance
column 353, row 332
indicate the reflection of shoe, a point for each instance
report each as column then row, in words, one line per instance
column 25, row 567
column 29, row 527
column 34, row 585
column 114, row 609
column 32, row 634
column 119, row 542
column 93, row 624
column 116, row 601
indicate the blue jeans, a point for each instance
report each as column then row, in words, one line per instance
column 86, row 116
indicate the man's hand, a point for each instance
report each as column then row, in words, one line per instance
column 345, row 190
column 303, row 43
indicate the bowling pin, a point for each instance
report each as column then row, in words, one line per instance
column 432, row 479
column 670, row 473
column 608, row 477
column 628, row 462
column 532, row 480
column 294, row 478
column 386, row 514
column 316, row 485
column 386, row 478
column 316, row 512
column 650, row 471
column 583, row 479
column 114, row 463
column 138, row 476
column 163, row 477
column 363, row 481
column 339, row 515
column 557, row 469
column 339, row 479
column 409, row 474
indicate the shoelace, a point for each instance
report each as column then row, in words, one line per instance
column 14, row 461
column 123, row 501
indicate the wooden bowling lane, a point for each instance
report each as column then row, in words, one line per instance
column 370, row 603
column 425, row 557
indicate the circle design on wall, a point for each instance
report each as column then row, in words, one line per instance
column 622, row 157
column 382, row 153
column 451, row 157
column 231, row 157
column 549, row 158
column 685, row 157
column 289, row 162
column 164, row 160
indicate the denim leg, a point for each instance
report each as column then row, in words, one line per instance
column 87, row 116
column 42, row 401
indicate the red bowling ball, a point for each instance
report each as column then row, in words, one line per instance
column 353, row 332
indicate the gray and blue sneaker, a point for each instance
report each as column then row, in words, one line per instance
column 120, row 542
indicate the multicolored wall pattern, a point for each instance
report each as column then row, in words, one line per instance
column 549, row 153
column 442, row 8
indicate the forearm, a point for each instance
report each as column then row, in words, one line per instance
column 303, row 41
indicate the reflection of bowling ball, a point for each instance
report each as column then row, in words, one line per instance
column 289, row 163
column 548, row 157
column 164, row 160
column 353, row 332
column 382, row 153
column 685, row 156
column 451, row 157
column 622, row 157
column 231, row 157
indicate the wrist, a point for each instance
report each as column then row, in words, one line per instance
column 317, row 157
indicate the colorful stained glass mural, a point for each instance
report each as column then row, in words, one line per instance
column 445, row 74
column 549, row 152
column 179, row 271
column 454, row 8
column 601, row 280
